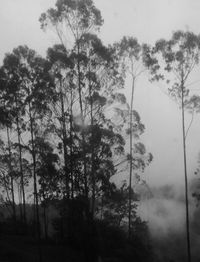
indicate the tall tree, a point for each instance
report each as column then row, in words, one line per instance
column 33, row 82
column 176, row 60
column 49, row 177
column 74, row 18
column 8, row 110
column 14, row 100
column 93, row 77
column 131, row 58
column 62, row 106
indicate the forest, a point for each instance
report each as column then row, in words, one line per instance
column 71, row 153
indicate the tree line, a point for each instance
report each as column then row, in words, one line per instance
column 66, row 121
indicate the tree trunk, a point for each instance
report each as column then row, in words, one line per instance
column 93, row 176
column 131, row 156
column 45, row 222
column 21, row 171
column 64, row 140
column 71, row 145
column 82, row 119
column 35, row 184
column 185, row 172
column 20, row 201
column 11, row 177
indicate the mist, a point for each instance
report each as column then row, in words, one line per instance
column 162, row 196
column 164, row 211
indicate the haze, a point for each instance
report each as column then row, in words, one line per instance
column 148, row 21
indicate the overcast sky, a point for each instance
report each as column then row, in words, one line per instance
column 148, row 21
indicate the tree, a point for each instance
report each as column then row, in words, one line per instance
column 31, row 80
column 49, row 177
column 75, row 18
column 131, row 57
column 176, row 60
column 62, row 104
column 7, row 158
column 88, row 76
column 13, row 100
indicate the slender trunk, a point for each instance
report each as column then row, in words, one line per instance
column 20, row 201
column 185, row 171
column 93, row 171
column 71, row 145
column 34, row 217
column 92, row 168
column 45, row 223
column 21, row 171
column 35, row 184
column 92, row 149
column 13, row 199
column 61, row 227
column 64, row 140
column 102, row 207
column 7, row 188
column 11, row 177
column 82, row 119
column 131, row 156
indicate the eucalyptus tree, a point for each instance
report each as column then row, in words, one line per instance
column 62, row 106
column 131, row 56
column 34, row 87
column 117, row 205
column 7, row 157
column 8, row 176
column 49, row 176
column 13, row 100
column 101, row 82
column 71, row 20
column 106, row 107
column 11, row 171
column 177, row 60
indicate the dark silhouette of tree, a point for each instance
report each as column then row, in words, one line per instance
column 78, row 18
column 49, row 177
column 31, row 79
column 66, row 120
column 14, row 100
column 6, row 158
column 89, row 75
column 62, row 104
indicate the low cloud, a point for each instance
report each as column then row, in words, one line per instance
column 165, row 215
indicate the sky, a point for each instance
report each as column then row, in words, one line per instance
column 148, row 21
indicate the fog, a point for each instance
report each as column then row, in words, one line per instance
column 164, row 211
column 148, row 21
column 164, row 207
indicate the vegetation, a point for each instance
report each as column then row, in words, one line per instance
column 65, row 125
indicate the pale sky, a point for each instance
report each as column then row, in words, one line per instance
column 148, row 20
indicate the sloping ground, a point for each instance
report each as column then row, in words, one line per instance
column 23, row 249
